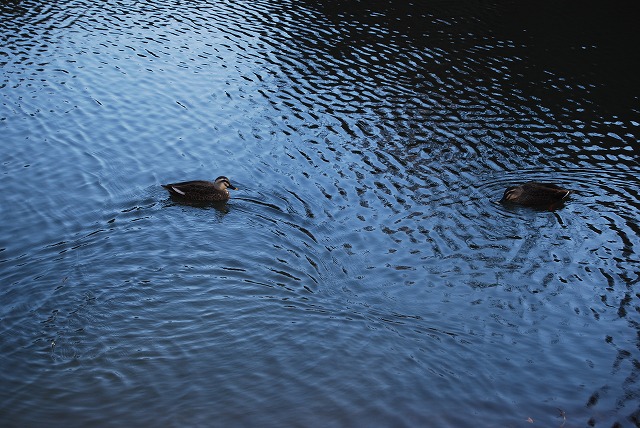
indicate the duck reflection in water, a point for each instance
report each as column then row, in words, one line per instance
column 534, row 194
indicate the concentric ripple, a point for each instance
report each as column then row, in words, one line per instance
column 364, row 273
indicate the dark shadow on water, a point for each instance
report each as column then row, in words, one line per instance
column 513, row 207
column 221, row 207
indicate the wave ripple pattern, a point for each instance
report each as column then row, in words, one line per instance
column 364, row 274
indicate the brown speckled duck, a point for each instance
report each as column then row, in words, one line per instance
column 202, row 191
column 535, row 194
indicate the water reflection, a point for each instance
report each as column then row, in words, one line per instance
column 365, row 273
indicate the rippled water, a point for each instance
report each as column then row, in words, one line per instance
column 364, row 274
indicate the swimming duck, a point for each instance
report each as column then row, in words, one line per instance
column 535, row 194
column 200, row 190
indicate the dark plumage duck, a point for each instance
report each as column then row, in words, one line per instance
column 535, row 194
column 205, row 191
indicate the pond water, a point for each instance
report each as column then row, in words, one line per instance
column 364, row 274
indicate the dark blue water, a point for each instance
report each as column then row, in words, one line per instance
column 364, row 274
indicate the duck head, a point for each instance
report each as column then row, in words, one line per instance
column 512, row 194
column 222, row 183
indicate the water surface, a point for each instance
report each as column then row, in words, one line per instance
column 364, row 274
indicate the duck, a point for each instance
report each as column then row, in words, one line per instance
column 535, row 194
column 202, row 191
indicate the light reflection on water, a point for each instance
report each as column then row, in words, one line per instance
column 364, row 273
